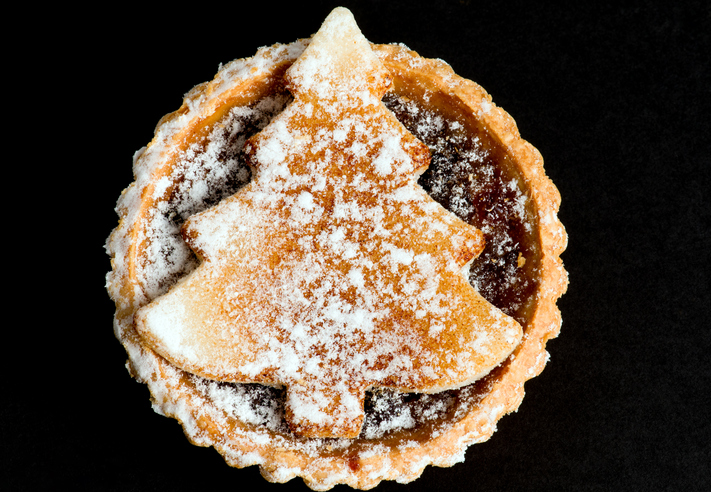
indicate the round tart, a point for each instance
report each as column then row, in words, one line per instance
column 480, row 170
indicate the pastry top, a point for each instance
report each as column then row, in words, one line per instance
column 332, row 272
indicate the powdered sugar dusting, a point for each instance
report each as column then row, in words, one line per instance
column 467, row 180
column 274, row 301
column 262, row 406
column 209, row 171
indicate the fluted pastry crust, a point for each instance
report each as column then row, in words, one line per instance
column 361, row 462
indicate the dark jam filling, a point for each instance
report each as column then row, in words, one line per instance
column 467, row 175
column 205, row 173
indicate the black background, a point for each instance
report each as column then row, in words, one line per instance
column 616, row 97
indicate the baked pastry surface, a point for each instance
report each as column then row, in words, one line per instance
column 481, row 170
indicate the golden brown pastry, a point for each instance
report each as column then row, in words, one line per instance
column 295, row 298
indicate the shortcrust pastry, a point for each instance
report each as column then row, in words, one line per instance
column 338, row 261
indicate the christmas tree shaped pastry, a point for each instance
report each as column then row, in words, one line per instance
column 331, row 272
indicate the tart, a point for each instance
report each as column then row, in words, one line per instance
column 404, row 374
